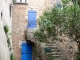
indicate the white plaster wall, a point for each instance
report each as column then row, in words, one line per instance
column 6, row 20
column 4, row 51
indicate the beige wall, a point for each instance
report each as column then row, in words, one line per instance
column 18, row 23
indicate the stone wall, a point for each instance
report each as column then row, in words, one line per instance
column 19, row 21
column 38, row 51
column 70, row 46
column 18, row 24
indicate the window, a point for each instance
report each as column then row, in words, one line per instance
column 17, row 0
column 1, row 15
column 10, row 8
column 21, row 1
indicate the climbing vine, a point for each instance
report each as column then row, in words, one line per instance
column 6, row 29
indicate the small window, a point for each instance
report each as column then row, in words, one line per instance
column 17, row 0
column 20, row 1
column 1, row 15
column 23, row 1
column 10, row 8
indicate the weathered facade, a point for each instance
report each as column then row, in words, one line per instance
column 20, row 22
column 5, row 20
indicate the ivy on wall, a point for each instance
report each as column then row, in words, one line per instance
column 6, row 29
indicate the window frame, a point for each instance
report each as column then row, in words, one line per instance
column 20, row 2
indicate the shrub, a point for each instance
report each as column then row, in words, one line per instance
column 12, row 57
column 6, row 29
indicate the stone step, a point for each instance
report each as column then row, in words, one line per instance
column 60, row 53
column 57, row 55
column 55, row 51
column 57, row 59
column 52, row 46
column 52, row 41
column 49, row 44
column 58, row 50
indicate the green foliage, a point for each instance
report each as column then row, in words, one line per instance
column 79, row 2
column 72, row 22
column 65, row 1
column 6, row 29
column 12, row 57
column 10, row 33
column 47, row 50
column 40, row 36
column 50, row 57
column 8, row 41
column 14, row 1
column 48, row 25
column 9, row 45
column 76, row 1
column 55, row 22
column 77, row 58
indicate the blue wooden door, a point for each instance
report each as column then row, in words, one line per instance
column 31, row 18
column 26, row 51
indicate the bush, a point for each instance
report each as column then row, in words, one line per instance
column 6, row 29
column 8, row 41
column 12, row 57
column 77, row 58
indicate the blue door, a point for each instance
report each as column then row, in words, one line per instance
column 26, row 51
column 31, row 18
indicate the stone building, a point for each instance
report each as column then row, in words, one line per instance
column 5, row 20
column 20, row 21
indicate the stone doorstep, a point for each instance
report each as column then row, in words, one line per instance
column 54, row 53
column 52, row 46
column 58, row 59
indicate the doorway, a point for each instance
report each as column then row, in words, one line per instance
column 26, row 51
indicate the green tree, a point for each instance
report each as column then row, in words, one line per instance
column 72, row 22
column 55, row 22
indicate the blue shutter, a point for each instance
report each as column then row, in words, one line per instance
column 26, row 51
column 31, row 18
